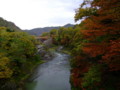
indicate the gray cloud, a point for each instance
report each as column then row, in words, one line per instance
column 39, row 13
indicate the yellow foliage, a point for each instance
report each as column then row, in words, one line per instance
column 5, row 71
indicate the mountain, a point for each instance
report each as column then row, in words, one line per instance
column 10, row 25
column 68, row 25
column 39, row 31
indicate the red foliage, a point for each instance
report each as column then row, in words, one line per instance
column 112, row 56
column 95, row 49
column 107, row 25
column 77, row 73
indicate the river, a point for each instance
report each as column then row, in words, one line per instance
column 52, row 75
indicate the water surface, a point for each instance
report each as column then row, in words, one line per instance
column 53, row 75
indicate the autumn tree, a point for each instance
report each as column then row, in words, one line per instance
column 17, row 52
column 102, row 32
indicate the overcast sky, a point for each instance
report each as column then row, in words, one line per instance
column 28, row 14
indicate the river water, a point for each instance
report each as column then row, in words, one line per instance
column 52, row 75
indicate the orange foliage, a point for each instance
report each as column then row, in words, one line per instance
column 95, row 49
column 112, row 56
column 107, row 23
column 102, row 32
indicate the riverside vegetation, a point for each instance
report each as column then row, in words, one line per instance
column 17, row 58
column 94, row 45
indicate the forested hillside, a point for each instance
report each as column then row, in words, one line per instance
column 94, row 45
column 39, row 31
column 9, row 25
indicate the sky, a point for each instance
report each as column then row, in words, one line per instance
column 28, row 14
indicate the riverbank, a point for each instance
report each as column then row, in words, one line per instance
column 31, row 67
column 52, row 75
column 47, row 55
column 44, row 55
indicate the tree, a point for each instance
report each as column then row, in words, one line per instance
column 17, row 52
column 102, row 35
column 5, row 70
